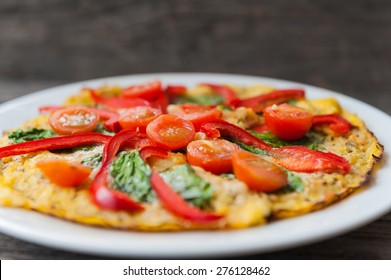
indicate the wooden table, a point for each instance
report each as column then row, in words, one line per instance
column 369, row 242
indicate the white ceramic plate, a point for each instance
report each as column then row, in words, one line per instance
column 351, row 213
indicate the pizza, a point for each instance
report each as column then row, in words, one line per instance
column 159, row 158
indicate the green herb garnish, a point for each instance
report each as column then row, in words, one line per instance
column 204, row 99
column 131, row 175
column 295, row 184
column 20, row 136
column 189, row 185
column 311, row 140
column 93, row 161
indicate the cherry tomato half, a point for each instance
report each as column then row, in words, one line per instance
column 148, row 91
column 64, row 173
column 288, row 122
column 259, row 174
column 138, row 118
column 170, row 132
column 73, row 120
column 197, row 114
column 212, row 155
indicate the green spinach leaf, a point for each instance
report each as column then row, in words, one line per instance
column 19, row 135
column 189, row 185
column 93, row 161
column 131, row 175
column 311, row 140
column 204, row 99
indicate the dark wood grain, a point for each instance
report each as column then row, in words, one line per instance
column 340, row 45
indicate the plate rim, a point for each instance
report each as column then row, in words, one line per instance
column 19, row 231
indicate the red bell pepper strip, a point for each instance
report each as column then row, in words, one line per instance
column 54, row 143
column 228, row 94
column 303, row 159
column 260, row 102
column 101, row 195
column 147, row 151
column 295, row 158
column 117, row 102
column 172, row 201
column 109, row 118
column 221, row 128
column 262, row 128
column 336, row 122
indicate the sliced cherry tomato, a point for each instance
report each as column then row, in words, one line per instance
column 64, row 173
column 259, row 174
column 171, row 132
column 148, row 91
column 197, row 114
column 288, row 122
column 212, row 155
column 336, row 122
column 73, row 120
column 137, row 118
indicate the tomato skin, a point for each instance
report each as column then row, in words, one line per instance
column 64, row 173
column 197, row 114
column 170, row 132
column 259, row 174
column 288, row 122
column 75, row 120
column 137, row 118
column 212, row 155
column 148, row 91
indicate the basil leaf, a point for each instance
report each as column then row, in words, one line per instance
column 311, row 140
column 204, row 99
column 189, row 185
column 20, row 136
column 249, row 148
column 93, row 161
column 295, row 184
column 131, row 176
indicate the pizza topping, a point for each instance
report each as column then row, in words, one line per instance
column 131, row 176
column 177, row 205
column 294, row 158
column 149, row 91
column 288, row 122
column 311, row 140
column 55, row 143
column 73, row 121
column 101, row 194
column 196, row 114
column 336, row 123
column 259, row 103
column 220, row 128
column 212, row 155
column 93, row 161
column 171, row 132
column 20, row 136
column 64, row 173
column 174, row 91
column 259, row 174
column 303, row 159
column 189, row 185
column 137, row 118
column 117, row 102
column 228, row 94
